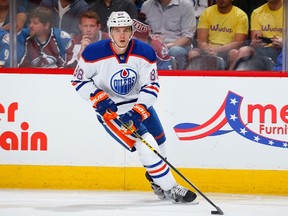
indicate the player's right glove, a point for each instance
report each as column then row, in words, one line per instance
column 103, row 104
column 133, row 118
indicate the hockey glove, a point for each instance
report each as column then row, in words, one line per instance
column 103, row 104
column 133, row 118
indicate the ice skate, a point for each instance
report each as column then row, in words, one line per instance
column 156, row 188
column 180, row 194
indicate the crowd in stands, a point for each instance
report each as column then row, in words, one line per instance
column 53, row 33
column 221, row 28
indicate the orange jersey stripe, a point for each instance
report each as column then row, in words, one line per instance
column 160, row 136
column 123, row 137
column 154, row 88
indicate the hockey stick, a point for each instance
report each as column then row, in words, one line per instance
column 218, row 210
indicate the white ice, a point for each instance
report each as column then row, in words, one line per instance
column 131, row 203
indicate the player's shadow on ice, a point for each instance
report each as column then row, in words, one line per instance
column 107, row 206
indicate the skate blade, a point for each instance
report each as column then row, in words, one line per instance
column 194, row 202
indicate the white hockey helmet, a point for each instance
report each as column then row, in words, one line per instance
column 119, row 19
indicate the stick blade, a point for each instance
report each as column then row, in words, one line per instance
column 218, row 212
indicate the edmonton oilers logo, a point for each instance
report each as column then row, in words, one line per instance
column 123, row 81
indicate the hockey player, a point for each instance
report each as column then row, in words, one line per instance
column 120, row 75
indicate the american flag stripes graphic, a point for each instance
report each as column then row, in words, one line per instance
column 229, row 112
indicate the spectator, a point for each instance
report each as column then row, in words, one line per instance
column 142, row 32
column 90, row 32
column 4, row 48
column 221, row 27
column 267, row 21
column 266, row 33
column 21, row 16
column 105, row 7
column 66, row 14
column 44, row 46
column 175, row 23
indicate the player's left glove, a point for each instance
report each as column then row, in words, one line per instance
column 103, row 104
column 134, row 117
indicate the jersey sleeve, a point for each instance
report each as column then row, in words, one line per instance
column 82, row 79
column 150, row 86
column 148, row 78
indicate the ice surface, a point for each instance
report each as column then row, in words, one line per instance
column 131, row 203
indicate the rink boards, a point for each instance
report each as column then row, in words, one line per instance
column 224, row 133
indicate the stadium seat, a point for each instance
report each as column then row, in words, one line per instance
column 206, row 62
column 255, row 63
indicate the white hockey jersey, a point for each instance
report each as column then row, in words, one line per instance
column 128, row 78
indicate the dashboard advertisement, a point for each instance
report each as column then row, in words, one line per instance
column 210, row 122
